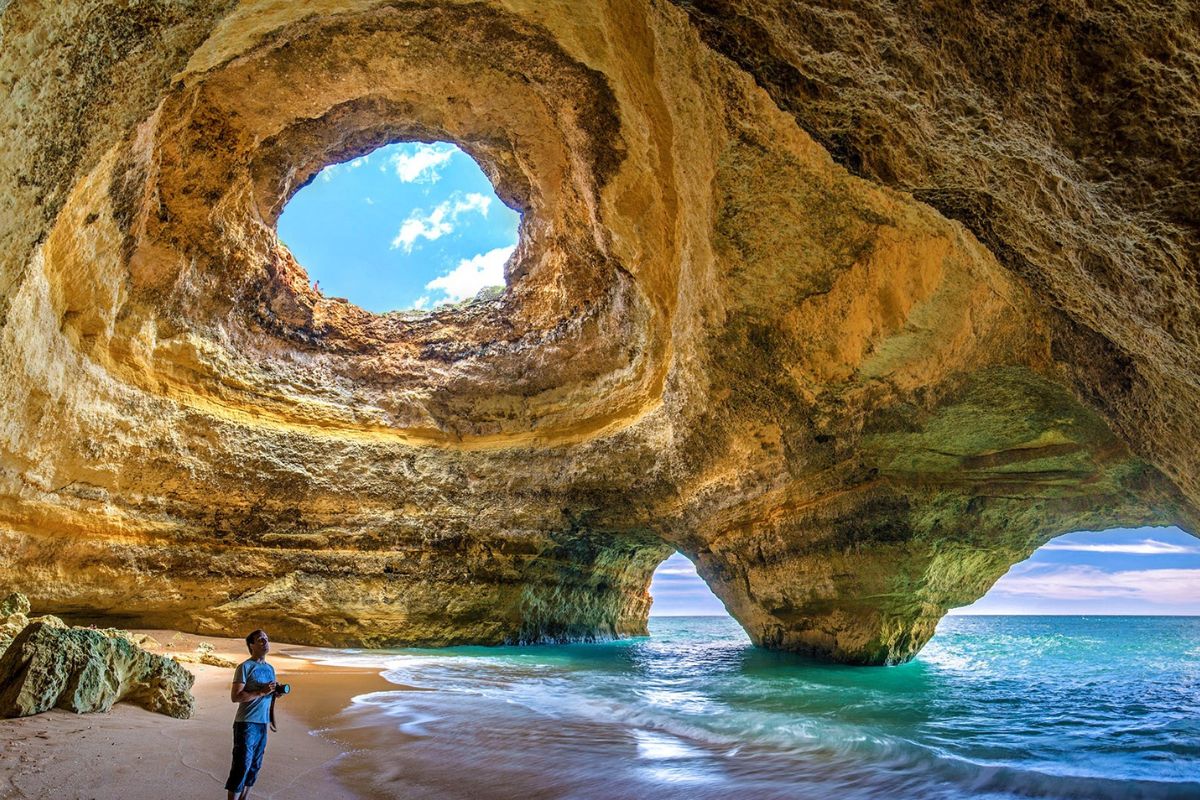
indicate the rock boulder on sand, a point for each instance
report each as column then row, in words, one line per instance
column 204, row 655
column 82, row 670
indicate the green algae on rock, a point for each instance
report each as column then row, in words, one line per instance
column 14, row 610
column 14, row 604
column 82, row 670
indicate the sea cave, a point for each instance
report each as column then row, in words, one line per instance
column 852, row 317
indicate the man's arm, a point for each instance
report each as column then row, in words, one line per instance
column 238, row 693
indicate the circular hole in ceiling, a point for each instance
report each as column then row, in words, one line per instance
column 409, row 226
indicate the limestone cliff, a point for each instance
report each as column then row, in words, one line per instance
column 854, row 305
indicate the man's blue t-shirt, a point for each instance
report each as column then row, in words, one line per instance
column 256, row 675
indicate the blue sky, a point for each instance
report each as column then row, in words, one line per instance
column 1119, row 571
column 407, row 226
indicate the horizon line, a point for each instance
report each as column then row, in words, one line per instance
column 952, row 614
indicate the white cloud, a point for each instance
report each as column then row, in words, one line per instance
column 1169, row 586
column 675, row 571
column 421, row 163
column 1146, row 547
column 433, row 226
column 421, row 302
column 330, row 172
column 472, row 274
column 474, row 201
column 676, row 564
column 440, row 221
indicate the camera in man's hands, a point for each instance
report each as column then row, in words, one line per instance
column 282, row 688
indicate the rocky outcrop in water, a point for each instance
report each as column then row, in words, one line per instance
column 854, row 304
column 51, row 665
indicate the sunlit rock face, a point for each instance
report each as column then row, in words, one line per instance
column 852, row 318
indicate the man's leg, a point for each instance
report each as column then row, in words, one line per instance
column 256, row 744
column 242, row 758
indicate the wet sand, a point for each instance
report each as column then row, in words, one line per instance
column 133, row 753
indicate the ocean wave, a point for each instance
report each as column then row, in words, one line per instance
column 962, row 721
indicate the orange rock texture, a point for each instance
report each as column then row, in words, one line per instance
column 854, row 304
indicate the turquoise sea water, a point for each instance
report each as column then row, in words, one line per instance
column 994, row 707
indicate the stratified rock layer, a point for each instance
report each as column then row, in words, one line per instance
column 779, row 354
column 53, row 666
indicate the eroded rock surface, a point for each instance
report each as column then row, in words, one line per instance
column 855, row 307
column 14, row 610
column 54, row 666
column 14, row 617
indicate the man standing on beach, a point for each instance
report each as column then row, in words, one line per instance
column 253, row 687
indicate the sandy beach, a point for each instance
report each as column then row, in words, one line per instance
column 133, row 753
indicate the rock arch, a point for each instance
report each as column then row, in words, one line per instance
column 832, row 397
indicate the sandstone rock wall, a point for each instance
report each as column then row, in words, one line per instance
column 742, row 321
column 1065, row 136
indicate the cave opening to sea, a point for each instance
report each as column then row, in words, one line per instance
column 1117, row 572
column 1002, row 704
column 410, row 226
column 679, row 591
